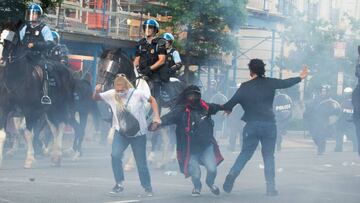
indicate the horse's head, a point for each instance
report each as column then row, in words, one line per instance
column 113, row 62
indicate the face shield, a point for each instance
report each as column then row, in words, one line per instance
column 32, row 15
column 149, row 30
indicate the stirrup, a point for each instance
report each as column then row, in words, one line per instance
column 45, row 100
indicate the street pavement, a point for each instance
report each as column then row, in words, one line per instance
column 302, row 176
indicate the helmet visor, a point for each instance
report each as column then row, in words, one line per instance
column 32, row 15
column 149, row 30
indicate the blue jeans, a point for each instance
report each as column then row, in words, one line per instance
column 265, row 132
column 138, row 146
column 208, row 159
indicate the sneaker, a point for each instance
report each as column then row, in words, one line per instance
column 215, row 190
column 149, row 192
column 117, row 189
column 272, row 192
column 229, row 183
column 195, row 192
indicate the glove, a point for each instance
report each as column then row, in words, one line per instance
column 146, row 71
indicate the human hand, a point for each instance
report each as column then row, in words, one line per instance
column 98, row 88
column 30, row 45
column 305, row 72
column 153, row 126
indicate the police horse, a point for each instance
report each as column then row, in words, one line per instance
column 115, row 61
column 22, row 89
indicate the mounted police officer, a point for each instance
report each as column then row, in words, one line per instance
column 173, row 60
column 59, row 52
column 345, row 125
column 150, row 57
column 283, row 107
column 37, row 37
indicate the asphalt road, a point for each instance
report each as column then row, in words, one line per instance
column 302, row 176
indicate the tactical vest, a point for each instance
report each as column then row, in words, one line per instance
column 149, row 55
column 33, row 34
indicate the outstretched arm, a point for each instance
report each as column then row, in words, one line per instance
column 282, row 84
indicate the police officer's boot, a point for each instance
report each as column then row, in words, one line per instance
column 45, row 99
column 270, row 189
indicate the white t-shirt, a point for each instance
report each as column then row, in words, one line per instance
column 136, row 106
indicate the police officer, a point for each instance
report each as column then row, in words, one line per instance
column 150, row 57
column 37, row 37
column 35, row 34
column 283, row 106
column 345, row 125
column 322, row 115
column 59, row 52
column 173, row 60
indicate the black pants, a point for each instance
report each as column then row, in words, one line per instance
column 357, row 128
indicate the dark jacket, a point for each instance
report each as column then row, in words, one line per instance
column 257, row 96
column 194, row 131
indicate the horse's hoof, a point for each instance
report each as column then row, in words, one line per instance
column 56, row 162
column 76, row 157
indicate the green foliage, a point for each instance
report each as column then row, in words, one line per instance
column 208, row 24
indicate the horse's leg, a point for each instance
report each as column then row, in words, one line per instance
column 15, row 144
column 81, row 134
column 30, row 149
column 2, row 142
column 57, row 142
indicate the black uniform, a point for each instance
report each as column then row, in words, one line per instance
column 283, row 108
column 322, row 116
column 34, row 35
column 171, row 65
column 149, row 55
column 346, row 126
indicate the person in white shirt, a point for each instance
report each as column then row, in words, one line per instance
column 125, row 96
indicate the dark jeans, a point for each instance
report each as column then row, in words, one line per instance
column 265, row 132
column 207, row 157
column 138, row 146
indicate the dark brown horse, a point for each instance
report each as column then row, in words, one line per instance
column 22, row 83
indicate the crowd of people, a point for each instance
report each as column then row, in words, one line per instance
column 157, row 61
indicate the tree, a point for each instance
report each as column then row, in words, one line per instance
column 208, row 24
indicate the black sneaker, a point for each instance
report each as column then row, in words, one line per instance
column 195, row 192
column 149, row 192
column 117, row 189
column 229, row 183
column 215, row 190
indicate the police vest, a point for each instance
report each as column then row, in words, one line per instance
column 149, row 55
column 33, row 34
